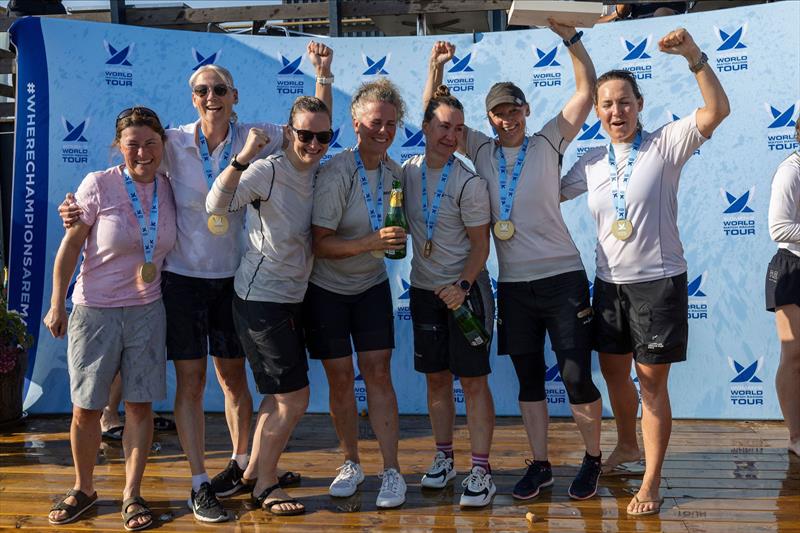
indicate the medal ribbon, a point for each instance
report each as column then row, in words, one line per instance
column 148, row 233
column 507, row 190
column 432, row 215
column 620, row 190
column 374, row 209
column 205, row 157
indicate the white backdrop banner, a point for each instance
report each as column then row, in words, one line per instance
column 75, row 77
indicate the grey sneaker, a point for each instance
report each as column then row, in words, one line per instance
column 393, row 489
column 347, row 481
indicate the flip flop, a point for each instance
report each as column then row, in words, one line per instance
column 161, row 423
column 84, row 502
column 627, row 468
column 654, row 510
column 113, row 433
column 289, row 478
column 143, row 511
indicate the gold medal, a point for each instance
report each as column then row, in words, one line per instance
column 622, row 229
column 426, row 251
column 504, row 229
column 147, row 272
column 218, row 224
column 378, row 254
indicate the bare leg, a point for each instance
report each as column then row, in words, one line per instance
column 189, row 415
column 232, row 379
column 342, row 400
column 375, row 367
column 480, row 413
column 267, row 406
column 624, row 400
column 656, row 429
column 136, row 441
column 588, row 417
column 787, row 378
column 110, row 418
column 84, row 438
column 536, row 420
column 441, row 410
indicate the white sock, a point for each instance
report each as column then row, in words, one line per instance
column 198, row 480
column 241, row 459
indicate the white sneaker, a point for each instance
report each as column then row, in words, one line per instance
column 347, row 481
column 478, row 488
column 393, row 489
column 440, row 472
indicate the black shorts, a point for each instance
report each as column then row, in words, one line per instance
column 649, row 319
column 272, row 338
column 558, row 305
column 331, row 320
column 199, row 318
column 783, row 280
column 439, row 344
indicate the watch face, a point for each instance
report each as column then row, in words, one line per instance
column 465, row 285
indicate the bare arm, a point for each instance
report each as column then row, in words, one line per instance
column 64, row 267
column 221, row 197
column 452, row 295
column 716, row 106
column 577, row 108
column 327, row 245
column 321, row 57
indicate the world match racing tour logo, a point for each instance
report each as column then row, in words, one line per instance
column 414, row 144
column 782, row 119
column 118, row 70
column 589, row 137
column 460, row 77
column 636, row 60
column 546, row 69
column 74, row 147
column 290, row 80
column 698, row 306
column 746, row 387
column 555, row 392
column 738, row 218
column 731, row 56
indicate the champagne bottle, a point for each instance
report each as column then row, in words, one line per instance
column 470, row 326
column 396, row 217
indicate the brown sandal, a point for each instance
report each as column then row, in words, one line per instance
column 85, row 501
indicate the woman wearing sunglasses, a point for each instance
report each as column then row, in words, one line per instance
column 448, row 217
column 126, row 228
column 272, row 278
column 198, row 280
column 349, row 302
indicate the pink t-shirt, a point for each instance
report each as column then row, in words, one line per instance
column 113, row 251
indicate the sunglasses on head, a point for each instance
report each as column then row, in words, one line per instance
column 219, row 89
column 305, row 136
column 139, row 110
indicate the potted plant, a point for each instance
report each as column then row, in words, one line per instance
column 14, row 344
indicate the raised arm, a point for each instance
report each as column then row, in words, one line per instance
column 63, row 268
column 225, row 195
column 441, row 53
column 716, row 106
column 577, row 108
column 321, row 57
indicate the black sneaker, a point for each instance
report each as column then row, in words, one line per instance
column 538, row 476
column 229, row 481
column 205, row 505
column 584, row 486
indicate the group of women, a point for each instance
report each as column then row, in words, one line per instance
column 312, row 278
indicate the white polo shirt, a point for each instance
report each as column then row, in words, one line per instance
column 784, row 205
column 654, row 250
column 199, row 253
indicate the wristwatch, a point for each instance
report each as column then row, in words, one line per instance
column 697, row 67
column 322, row 80
column 464, row 285
column 572, row 40
column 241, row 167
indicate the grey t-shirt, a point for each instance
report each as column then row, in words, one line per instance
column 339, row 205
column 654, row 250
column 541, row 246
column 784, row 205
column 278, row 259
column 465, row 203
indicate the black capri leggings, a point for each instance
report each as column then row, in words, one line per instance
column 575, row 367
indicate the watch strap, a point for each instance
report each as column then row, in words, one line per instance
column 241, row 167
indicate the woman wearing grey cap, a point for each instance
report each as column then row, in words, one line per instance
column 542, row 286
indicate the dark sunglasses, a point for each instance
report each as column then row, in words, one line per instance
column 219, row 89
column 141, row 111
column 305, row 136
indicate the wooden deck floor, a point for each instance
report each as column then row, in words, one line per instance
column 718, row 477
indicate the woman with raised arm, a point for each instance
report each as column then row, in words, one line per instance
column 640, row 299
column 126, row 228
column 349, row 302
column 542, row 286
column 273, row 276
column 198, row 281
column 783, row 286
column 448, row 217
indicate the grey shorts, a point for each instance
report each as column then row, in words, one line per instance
column 104, row 341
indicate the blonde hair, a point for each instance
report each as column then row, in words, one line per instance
column 222, row 72
column 380, row 90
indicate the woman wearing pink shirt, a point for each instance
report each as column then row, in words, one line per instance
column 126, row 227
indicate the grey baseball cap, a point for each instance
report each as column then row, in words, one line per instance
column 504, row 93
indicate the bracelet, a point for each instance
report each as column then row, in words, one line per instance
column 574, row 39
column 703, row 61
column 241, row 167
column 322, row 80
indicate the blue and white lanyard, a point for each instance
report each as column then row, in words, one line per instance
column 374, row 208
column 430, row 216
column 507, row 190
column 205, row 157
column 620, row 190
column 148, row 233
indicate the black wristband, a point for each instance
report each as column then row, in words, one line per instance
column 574, row 39
column 241, row 167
